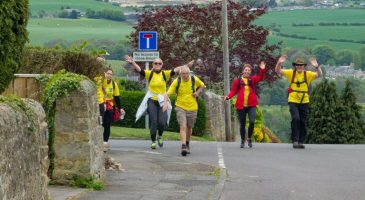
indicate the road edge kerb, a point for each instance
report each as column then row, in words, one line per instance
column 79, row 195
column 218, row 189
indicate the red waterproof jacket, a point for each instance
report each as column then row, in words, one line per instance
column 240, row 89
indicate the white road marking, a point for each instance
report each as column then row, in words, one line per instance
column 220, row 156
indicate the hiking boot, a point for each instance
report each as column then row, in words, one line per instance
column 184, row 150
column 153, row 145
column 242, row 144
column 159, row 141
column 301, row 146
column 187, row 147
column 296, row 145
column 250, row 143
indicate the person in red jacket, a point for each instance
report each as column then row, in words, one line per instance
column 247, row 101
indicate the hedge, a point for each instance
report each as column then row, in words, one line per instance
column 131, row 101
column 13, row 36
column 39, row 60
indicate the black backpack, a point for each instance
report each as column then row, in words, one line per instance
column 192, row 84
column 151, row 75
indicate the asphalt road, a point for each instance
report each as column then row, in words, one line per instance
column 276, row 171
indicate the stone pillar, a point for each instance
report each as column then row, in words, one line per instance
column 78, row 136
column 23, row 153
column 215, row 125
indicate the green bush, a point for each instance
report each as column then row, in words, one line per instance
column 38, row 60
column 131, row 101
column 13, row 36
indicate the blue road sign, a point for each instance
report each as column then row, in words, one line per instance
column 147, row 41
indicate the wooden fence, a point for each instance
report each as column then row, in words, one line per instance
column 24, row 86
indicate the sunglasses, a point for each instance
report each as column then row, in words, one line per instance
column 300, row 65
column 157, row 63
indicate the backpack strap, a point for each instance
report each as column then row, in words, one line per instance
column 163, row 75
column 192, row 84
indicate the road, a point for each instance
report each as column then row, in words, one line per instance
column 276, row 171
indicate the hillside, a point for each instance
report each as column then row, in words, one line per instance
column 283, row 21
column 50, row 6
column 46, row 29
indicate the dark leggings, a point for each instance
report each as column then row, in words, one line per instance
column 107, row 120
column 251, row 111
column 299, row 113
column 157, row 118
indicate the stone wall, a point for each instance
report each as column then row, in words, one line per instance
column 78, row 137
column 23, row 153
column 215, row 124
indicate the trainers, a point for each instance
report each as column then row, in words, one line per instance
column 105, row 146
column 153, row 145
column 187, row 147
column 242, row 144
column 250, row 143
column 184, row 150
column 296, row 145
column 159, row 141
column 301, row 146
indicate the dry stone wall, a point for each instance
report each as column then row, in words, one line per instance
column 23, row 153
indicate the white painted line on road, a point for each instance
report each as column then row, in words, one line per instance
column 220, row 156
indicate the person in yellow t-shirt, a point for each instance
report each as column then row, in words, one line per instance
column 111, row 98
column 187, row 88
column 157, row 79
column 298, row 95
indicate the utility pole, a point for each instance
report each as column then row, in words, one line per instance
column 227, row 106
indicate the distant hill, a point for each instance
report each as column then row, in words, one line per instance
column 332, row 27
column 51, row 6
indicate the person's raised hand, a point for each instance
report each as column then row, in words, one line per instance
column 128, row 59
column 313, row 62
column 282, row 59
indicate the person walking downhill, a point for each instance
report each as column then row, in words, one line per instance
column 153, row 100
column 187, row 87
column 247, row 101
column 112, row 97
column 298, row 95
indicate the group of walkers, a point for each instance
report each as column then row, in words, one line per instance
column 188, row 87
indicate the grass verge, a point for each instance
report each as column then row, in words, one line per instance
column 143, row 134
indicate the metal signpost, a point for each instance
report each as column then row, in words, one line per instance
column 147, row 52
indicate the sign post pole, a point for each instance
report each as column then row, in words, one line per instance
column 147, row 122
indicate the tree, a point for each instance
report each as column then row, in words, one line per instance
column 323, row 114
column 272, row 3
column 362, row 58
column 189, row 32
column 344, row 57
column 323, row 54
column 13, row 36
column 351, row 125
column 74, row 14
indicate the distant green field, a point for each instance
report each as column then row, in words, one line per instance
column 51, row 6
column 284, row 20
column 46, row 29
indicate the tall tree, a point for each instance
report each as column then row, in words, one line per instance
column 350, row 123
column 190, row 31
column 362, row 58
column 344, row 57
column 323, row 114
column 324, row 54
column 13, row 36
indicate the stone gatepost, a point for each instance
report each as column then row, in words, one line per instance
column 215, row 124
column 23, row 153
column 78, row 137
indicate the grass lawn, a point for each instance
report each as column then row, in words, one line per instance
column 284, row 20
column 143, row 134
column 51, row 6
column 46, row 29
